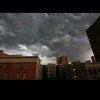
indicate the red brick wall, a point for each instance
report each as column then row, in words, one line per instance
column 14, row 69
column 64, row 60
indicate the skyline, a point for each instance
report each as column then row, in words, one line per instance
column 47, row 34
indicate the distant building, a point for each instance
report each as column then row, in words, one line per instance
column 51, row 72
column 57, row 72
column 80, row 72
column 93, row 33
column 44, row 72
column 87, row 71
column 76, row 62
column 62, row 60
column 58, row 60
column 61, row 72
column 65, row 72
column 88, row 61
column 69, row 72
column 93, row 71
column 16, row 67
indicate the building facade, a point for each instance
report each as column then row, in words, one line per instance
column 93, row 71
column 44, row 72
column 87, row 71
column 69, row 72
column 77, row 71
column 64, row 72
column 58, row 60
column 61, row 72
column 62, row 60
column 51, row 71
column 93, row 33
column 17, row 67
column 57, row 72
column 80, row 72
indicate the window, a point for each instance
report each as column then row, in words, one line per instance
column 26, row 66
column 90, row 72
column 5, row 76
column 24, row 76
column 20, row 66
column 0, row 66
column 7, row 66
column 95, row 72
column 18, row 76
column 99, row 70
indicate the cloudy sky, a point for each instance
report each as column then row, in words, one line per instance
column 47, row 34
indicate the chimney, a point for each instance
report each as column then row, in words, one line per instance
column 1, row 51
column 93, row 59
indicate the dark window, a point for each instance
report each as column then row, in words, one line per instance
column 26, row 66
column 7, row 66
column 99, row 21
column 20, row 66
column 0, row 66
column 99, row 70
column 95, row 72
column 90, row 72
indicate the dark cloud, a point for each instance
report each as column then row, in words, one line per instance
column 50, row 34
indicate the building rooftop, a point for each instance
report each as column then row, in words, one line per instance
column 4, row 55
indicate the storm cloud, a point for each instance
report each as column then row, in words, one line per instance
column 47, row 34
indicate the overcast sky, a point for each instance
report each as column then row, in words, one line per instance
column 47, row 34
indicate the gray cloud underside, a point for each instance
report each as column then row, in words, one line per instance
column 49, row 34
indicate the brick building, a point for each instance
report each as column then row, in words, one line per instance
column 17, row 67
column 62, row 60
